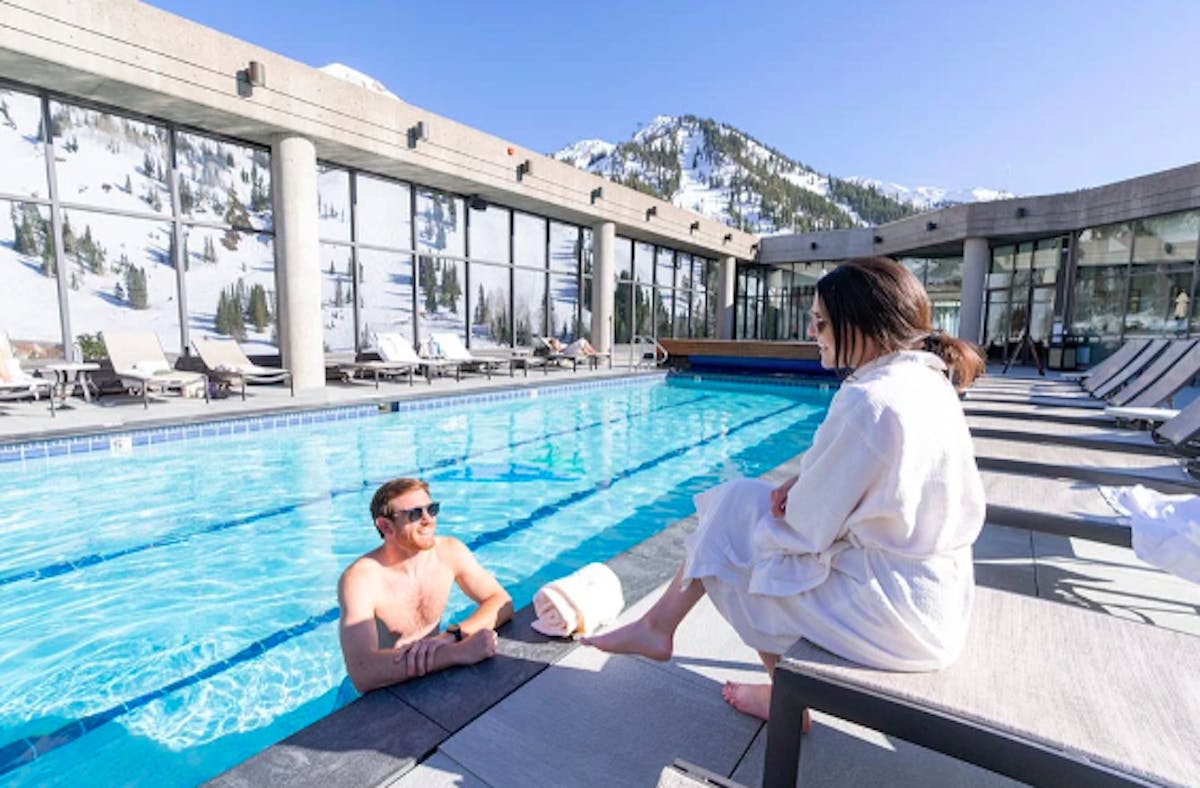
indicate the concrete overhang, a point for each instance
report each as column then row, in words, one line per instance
column 942, row 232
column 142, row 59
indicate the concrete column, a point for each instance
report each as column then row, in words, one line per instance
column 976, row 258
column 725, row 285
column 297, row 259
column 604, row 239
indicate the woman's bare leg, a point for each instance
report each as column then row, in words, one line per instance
column 653, row 635
column 755, row 699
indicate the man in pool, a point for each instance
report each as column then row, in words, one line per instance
column 393, row 597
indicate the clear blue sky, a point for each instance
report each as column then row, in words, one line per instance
column 1033, row 97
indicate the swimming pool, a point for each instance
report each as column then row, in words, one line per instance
column 166, row 614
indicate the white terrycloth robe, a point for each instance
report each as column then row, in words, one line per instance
column 872, row 560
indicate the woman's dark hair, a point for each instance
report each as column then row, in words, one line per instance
column 876, row 298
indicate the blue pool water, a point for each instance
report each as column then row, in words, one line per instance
column 166, row 614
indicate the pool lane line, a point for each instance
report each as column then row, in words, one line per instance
column 64, row 567
column 23, row 751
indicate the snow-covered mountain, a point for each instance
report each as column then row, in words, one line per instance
column 719, row 171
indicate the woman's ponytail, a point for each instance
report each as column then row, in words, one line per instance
column 963, row 360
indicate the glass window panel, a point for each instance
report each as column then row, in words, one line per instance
column 643, row 261
column 564, row 248
column 333, row 204
column 490, row 306
column 121, row 276
column 712, row 279
column 230, row 279
column 1154, row 306
column 29, row 298
column 564, row 306
column 1023, row 272
column 222, row 182
column 529, row 242
column 110, row 161
column 1003, row 262
column 21, row 146
column 586, row 241
column 917, row 265
column 944, row 274
column 585, row 309
column 337, row 298
column 489, row 234
column 441, row 296
column 1098, row 302
column 1103, row 245
column 623, row 259
column 440, row 224
column 385, row 295
column 663, row 311
column 682, row 313
column 1046, row 258
column 664, row 267
column 382, row 212
column 684, row 276
column 529, row 305
column 623, row 299
column 945, row 315
column 643, row 302
column 996, row 325
column 1167, row 239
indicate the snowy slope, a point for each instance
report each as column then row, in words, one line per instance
column 719, row 171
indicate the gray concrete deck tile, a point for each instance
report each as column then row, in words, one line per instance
column 455, row 697
column 667, row 544
column 840, row 754
column 1117, row 461
column 439, row 771
column 1115, row 581
column 640, row 575
column 595, row 719
column 1067, row 497
column 365, row 743
column 1004, row 560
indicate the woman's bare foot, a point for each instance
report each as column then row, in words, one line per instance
column 755, row 700
column 636, row 638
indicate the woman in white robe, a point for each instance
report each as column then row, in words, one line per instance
column 867, row 551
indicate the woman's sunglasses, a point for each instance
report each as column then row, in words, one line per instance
column 412, row 515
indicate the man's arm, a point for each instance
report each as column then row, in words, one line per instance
column 371, row 667
column 495, row 605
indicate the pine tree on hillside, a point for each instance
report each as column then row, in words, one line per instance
column 135, row 286
column 258, row 313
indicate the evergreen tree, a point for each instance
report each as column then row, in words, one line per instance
column 427, row 280
column 135, row 287
column 258, row 313
column 187, row 200
column 118, row 291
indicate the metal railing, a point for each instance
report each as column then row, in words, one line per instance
column 638, row 356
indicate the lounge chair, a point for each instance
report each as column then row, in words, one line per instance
column 397, row 357
column 138, row 360
column 15, row 382
column 227, row 362
column 450, row 347
column 575, row 352
column 1044, row 692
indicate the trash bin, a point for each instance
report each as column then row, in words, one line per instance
column 1083, row 352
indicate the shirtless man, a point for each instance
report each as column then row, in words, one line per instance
column 393, row 597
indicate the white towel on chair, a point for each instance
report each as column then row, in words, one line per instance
column 578, row 603
column 1166, row 528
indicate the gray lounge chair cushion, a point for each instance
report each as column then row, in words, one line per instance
column 1120, row 693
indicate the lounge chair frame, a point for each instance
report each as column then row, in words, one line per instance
column 246, row 370
column 807, row 677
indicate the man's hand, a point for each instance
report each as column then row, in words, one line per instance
column 418, row 655
column 478, row 646
column 779, row 497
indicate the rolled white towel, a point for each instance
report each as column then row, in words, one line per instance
column 579, row 603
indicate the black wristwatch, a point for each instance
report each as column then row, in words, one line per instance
column 456, row 630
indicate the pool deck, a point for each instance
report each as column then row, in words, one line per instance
column 548, row 712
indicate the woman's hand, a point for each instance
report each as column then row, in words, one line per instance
column 779, row 497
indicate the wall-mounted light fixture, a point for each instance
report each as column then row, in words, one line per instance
column 256, row 74
column 524, row 168
column 812, row 244
column 1021, row 212
column 651, row 211
column 1168, row 247
column 931, row 226
column 878, row 239
column 753, row 248
column 597, row 194
column 418, row 133
column 694, row 226
column 728, row 237
column 477, row 203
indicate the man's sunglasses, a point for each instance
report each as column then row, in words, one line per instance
column 412, row 515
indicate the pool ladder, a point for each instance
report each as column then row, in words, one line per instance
column 638, row 357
